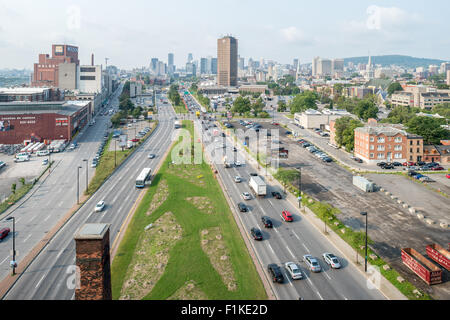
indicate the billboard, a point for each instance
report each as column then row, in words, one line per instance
column 59, row 50
column 5, row 125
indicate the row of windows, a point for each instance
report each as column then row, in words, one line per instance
column 383, row 156
column 87, row 78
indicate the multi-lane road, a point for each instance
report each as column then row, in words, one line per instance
column 50, row 275
column 56, row 194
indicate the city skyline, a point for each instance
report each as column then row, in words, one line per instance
column 384, row 28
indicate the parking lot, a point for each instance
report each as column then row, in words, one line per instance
column 390, row 226
column 131, row 131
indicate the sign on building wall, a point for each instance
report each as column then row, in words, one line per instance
column 5, row 125
column 62, row 122
column 59, row 50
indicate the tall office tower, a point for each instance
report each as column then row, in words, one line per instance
column 298, row 71
column 261, row 63
column 170, row 63
column 295, row 64
column 213, row 65
column 314, row 66
column 208, row 65
column 241, row 63
column 154, row 65
column 227, row 54
column 190, row 58
column 250, row 63
column 203, row 65
column 448, row 77
column 337, row 65
column 445, row 66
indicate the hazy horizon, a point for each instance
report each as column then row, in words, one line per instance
column 131, row 33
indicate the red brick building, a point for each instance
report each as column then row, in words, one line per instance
column 41, row 121
column 46, row 71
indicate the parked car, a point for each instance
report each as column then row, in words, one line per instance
column 388, row 166
column 275, row 273
column 45, row 162
column 306, row 145
column 100, row 206
column 277, row 195
column 242, row 207
column 396, row 164
column 437, row 169
column 426, row 179
column 418, row 176
column 287, row 216
column 312, row 263
column 327, row 159
column 332, row 260
column 256, row 234
column 412, row 173
column 267, row 222
column 380, row 164
column 447, row 175
column 254, row 174
column 409, row 164
column 358, row 160
column 4, row 233
column 293, row 270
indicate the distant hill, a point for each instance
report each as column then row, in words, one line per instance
column 399, row 60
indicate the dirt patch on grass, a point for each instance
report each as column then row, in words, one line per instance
column 191, row 173
column 215, row 248
column 161, row 195
column 189, row 291
column 203, row 204
column 150, row 257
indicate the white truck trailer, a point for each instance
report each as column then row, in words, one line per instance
column 258, row 186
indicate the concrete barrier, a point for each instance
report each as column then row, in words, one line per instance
column 444, row 225
column 386, row 267
column 387, row 193
column 430, row 221
column 400, row 279
column 405, row 206
column 420, row 216
column 412, row 210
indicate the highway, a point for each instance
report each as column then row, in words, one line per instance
column 55, row 194
column 50, row 275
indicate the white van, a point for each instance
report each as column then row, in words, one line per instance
column 22, row 154
column 42, row 153
column 22, row 158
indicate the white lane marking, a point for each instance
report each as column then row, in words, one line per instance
column 37, row 285
column 305, row 247
column 319, row 295
column 276, row 230
column 18, row 219
column 48, row 217
column 293, row 256
column 59, row 254
column 270, row 247
column 26, row 239
column 60, row 204
column 3, row 260
column 295, row 235
column 327, row 275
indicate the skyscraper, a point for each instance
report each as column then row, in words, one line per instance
column 190, row 58
column 227, row 56
column 170, row 63
column 214, row 65
column 154, row 65
column 314, row 66
column 295, row 64
column 203, row 65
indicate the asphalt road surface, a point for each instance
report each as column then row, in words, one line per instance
column 50, row 276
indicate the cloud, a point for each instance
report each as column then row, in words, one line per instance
column 295, row 36
column 388, row 18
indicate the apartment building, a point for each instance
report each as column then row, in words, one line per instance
column 402, row 99
column 378, row 142
column 429, row 100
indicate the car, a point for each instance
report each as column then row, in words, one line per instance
column 151, row 156
column 234, row 149
column 254, row 174
column 267, row 222
column 380, row 164
column 409, row 164
column 288, row 133
column 246, row 196
column 45, row 162
column 327, row 159
column 437, row 168
column 426, row 179
column 312, row 263
column 421, row 163
column 388, row 166
column 418, row 176
column 275, row 273
column 4, row 233
column 277, row 195
column 238, row 164
column 396, row 164
column 242, row 207
column 332, row 260
column 358, row 160
column 275, row 123
column 135, row 140
column 293, row 270
column 237, row 179
column 447, row 175
column 287, row 216
column 306, row 145
column 100, row 206
column 256, row 234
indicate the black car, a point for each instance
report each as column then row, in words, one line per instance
column 275, row 273
column 388, row 166
column 381, row 164
column 267, row 222
column 254, row 174
column 277, row 195
column 256, row 234
column 327, row 159
column 397, row 164
column 421, row 163
column 242, row 207
column 306, row 145
column 234, row 149
column 358, row 160
column 412, row 173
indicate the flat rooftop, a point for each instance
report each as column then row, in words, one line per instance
column 92, row 231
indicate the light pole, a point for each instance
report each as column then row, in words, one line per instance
column 87, row 178
column 300, row 187
column 13, row 262
column 115, row 151
column 49, row 161
column 78, row 184
column 365, row 214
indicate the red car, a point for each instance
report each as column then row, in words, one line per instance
column 287, row 216
column 275, row 123
column 135, row 140
column 409, row 164
column 437, row 169
column 4, row 233
column 448, row 175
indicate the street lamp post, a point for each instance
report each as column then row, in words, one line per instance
column 365, row 266
column 13, row 262
column 300, row 187
column 78, row 184
column 115, row 151
column 87, row 178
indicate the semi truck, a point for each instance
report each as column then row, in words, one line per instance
column 177, row 124
column 258, row 186
column 439, row 255
column 363, row 184
column 424, row 268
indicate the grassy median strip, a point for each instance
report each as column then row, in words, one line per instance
column 209, row 236
column 107, row 162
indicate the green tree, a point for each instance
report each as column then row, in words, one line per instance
column 400, row 114
column 345, row 132
column 13, row 188
column 394, row 86
column 443, row 110
column 366, row 109
column 258, row 106
column 304, row 101
column 22, row 181
column 241, row 105
column 282, row 106
column 429, row 128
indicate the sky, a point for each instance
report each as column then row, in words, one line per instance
column 131, row 32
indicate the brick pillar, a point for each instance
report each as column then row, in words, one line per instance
column 93, row 261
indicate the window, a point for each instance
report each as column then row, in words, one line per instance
column 398, row 155
column 372, row 155
column 418, row 150
column 372, row 147
column 410, row 150
column 87, row 78
column 410, row 143
column 398, row 139
column 398, row 148
column 381, row 156
column 380, row 148
column 380, row 140
column 418, row 142
column 372, row 139
column 87, row 69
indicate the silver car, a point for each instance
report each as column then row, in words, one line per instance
column 332, row 260
column 293, row 270
column 312, row 263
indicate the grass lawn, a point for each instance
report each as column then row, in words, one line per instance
column 200, row 208
column 180, row 108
